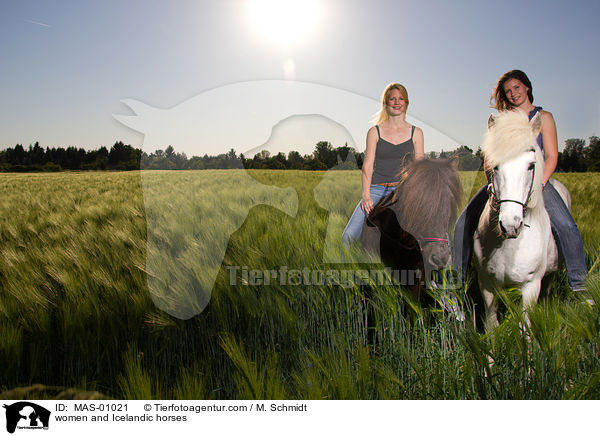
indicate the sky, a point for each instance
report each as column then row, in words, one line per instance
column 70, row 67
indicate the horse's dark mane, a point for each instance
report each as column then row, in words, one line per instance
column 427, row 196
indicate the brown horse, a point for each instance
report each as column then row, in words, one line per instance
column 409, row 227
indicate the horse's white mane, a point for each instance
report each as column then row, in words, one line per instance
column 510, row 134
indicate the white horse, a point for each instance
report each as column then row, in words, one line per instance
column 513, row 244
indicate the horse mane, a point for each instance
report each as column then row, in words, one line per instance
column 427, row 196
column 509, row 135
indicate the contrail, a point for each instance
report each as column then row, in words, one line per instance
column 38, row 23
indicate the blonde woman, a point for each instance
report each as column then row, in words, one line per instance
column 389, row 141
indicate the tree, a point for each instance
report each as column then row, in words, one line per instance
column 479, row 154
column 263, row 154
column 571, row 158
column 445, row 154
column 16, row 156
column 36, row 155
column 325, row 153
column 467, row 161
column 314, row 164
column 592, row 154
column 124, row 157
column 295, row 160
column 342, row 152
column 231, row 156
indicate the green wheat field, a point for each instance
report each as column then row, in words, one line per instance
column 83, row 257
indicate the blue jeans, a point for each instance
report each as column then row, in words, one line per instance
column 354, row 227
column 564, row 229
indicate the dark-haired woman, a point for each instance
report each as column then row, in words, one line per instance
column 388, row 143
column 514, row 91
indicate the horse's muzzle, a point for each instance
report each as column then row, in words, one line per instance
column 510, row 231
column 437, row 255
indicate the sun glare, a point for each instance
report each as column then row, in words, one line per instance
column 284, row 22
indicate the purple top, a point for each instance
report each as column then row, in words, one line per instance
column 534, row 111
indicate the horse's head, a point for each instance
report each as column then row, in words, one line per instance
column 426, row 203
column 514, row 166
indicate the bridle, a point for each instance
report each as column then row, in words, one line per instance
column 495, row 202
column 444, row 240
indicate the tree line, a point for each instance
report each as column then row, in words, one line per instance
column 576, row 157
column 36, row 158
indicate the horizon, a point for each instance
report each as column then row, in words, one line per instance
column 74, row 65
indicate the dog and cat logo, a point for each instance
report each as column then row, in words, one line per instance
column 26, row 415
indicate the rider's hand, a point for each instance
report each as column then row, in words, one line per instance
column 367, row 203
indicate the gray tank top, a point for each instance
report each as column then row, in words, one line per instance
column 389, row 158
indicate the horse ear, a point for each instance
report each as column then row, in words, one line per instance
column 536, row 124
column 491, row 121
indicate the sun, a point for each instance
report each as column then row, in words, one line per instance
column 284, row 22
